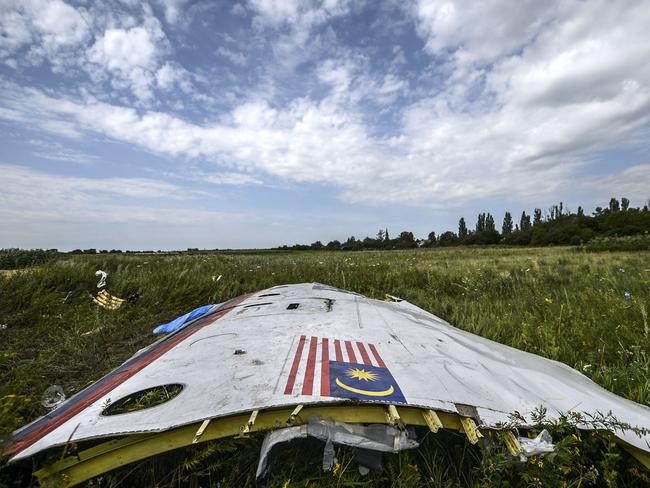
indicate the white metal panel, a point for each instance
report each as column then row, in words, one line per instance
column 427, row 363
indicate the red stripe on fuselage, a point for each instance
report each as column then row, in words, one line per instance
column 339, row 353
column 351, row 357
column 375, row 353
column 325, row 369
column 364, row 354
column 118, row 378
column 308, row 384
column 288, row 390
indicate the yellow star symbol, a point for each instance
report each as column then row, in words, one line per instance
column 361, row 374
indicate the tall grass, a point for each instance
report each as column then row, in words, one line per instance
column 588, row 310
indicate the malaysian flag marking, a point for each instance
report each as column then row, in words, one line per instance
column 340, row 369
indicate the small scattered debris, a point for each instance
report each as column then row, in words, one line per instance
column 52, row 397
column 239, row 351
column 627, row 295
column 102, row 279
column 216, row 278
column 548, row 300
column 392, row 298
column 539, row 446
column 181, row 321
column 133, row 297
column 369, row 441
column 108, row 301
column 3, row 326
column 90, row 332
column 621, row 270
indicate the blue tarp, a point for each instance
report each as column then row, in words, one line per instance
column 177, row 323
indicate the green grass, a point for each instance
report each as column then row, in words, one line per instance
column 556, row 302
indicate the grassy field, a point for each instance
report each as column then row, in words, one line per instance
column 588, row 310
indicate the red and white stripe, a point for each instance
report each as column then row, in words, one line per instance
column 309, row 372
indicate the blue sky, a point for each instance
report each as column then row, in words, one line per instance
column 174, row 124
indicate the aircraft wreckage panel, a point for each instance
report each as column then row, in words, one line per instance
column 314, row 344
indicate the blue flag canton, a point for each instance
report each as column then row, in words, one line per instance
column 363, row 382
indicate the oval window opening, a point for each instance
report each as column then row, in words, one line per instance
column 140, row 400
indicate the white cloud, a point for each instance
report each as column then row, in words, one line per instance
column 56, row 151
column 235, row 57
column 229, row 178
column 132, row 56
column 172, row 9
column 47, row 28
column 171, row 75
column 517, row 102
column 16, row 178
column 125, row 49
column 40, row 209
column 482, row 31
column 633, row 183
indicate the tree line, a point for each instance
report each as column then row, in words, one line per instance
column 558, row 225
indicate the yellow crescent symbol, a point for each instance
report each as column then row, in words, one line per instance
column 365, row 392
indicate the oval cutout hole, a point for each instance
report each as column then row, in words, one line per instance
column 147, row 398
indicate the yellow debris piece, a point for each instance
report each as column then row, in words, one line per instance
column 471, row 431
column 511, row 442
column 108, row 301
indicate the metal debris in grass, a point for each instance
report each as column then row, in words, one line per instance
column 102, row 278
column 53, row 397
column 107, row 301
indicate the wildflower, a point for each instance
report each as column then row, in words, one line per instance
column 548, row 300
column 621, row 270
column 627, row 295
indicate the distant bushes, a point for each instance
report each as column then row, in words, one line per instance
column 20, row 258
column 557, row 226
column 627, row 243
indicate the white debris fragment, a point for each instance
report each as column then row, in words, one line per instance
column 539, row 446
column 52, row 397
column 102, row 279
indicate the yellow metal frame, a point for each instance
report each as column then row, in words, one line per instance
column 113, row 454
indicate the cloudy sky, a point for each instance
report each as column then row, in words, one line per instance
column 179, row 123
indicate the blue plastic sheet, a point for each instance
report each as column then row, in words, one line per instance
column 177, row 323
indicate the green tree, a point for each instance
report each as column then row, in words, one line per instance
column 480, row 223
column 333, row 245
column 506, row 228
column 489, row 223
column 462, row 228
column 448, row 239
column 625, row 204
column 537, row 216
column 524, row 222
column 614, row 206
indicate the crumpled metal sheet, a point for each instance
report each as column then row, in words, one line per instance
column 312, row 344
column 374, row 437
